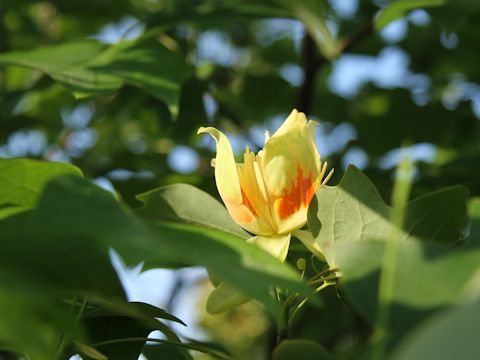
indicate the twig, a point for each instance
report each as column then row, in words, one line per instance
column 311, row 63
column 304, row 301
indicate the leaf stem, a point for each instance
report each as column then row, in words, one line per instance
column 82, row 308
column 304, row 301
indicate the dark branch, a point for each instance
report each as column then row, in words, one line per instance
column 311, row 63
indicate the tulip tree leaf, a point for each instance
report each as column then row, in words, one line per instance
column 164, row 351
column 310, row 13
column 399, row 8
column 89, row 68
column 427, row 277
column 22, row 180
column 350, row 222
column 73, row 211
column 187, row 204
column 89, row 352
column 66, row 64
column 136, row 320
column 133, row 309
column 452, row 334
column 354, row 211
column 147, row 64
column 37, row 253
column 300, row 349
column 32, row 326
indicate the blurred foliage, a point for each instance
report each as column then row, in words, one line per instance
column 118, row 89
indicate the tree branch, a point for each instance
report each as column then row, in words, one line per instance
column 313, row 61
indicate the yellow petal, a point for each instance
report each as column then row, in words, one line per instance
column 308, row 240
column 291, row 168
column 255, row 197
column 277, row 246
column 225, row 168
column 269, row 193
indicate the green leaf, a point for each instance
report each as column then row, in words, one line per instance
column 147, row 64
column 81, row 222
column 452, row 334
column 22, row 180
column 427, row 277
column 214, row 14
column 31, row 323
column 300, row 349
column 354, row 211
column 310, row 12
column 134, row 309
column 399, row 8
column 89, row 352
column 165, row 351
column 89, row 68
column 186, row 204
column 40, row 268
column 228, row 256
column 117, row 333
column 67, row 64
column 351, row 224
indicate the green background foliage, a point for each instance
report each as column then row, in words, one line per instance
column 100, row 102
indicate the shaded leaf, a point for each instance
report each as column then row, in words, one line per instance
column 122, row 331
column 300, row 349
column 134, row 309
column 427, row 278
column 90, row 352
column 73, row 212
column 452, row 334
column 165, row 351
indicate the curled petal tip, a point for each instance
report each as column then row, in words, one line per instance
column 201, row 130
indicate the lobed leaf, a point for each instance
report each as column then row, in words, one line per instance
column 354, row 211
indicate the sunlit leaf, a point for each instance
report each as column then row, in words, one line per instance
column 187, row 204
column 89, row 68
column 22, row 180
column 399, row 8
column 354, row 211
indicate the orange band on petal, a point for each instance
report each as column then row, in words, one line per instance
column 246, row 201
column 300, row 194
column 240, row 213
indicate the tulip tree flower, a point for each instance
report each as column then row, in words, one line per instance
column 269, row 194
